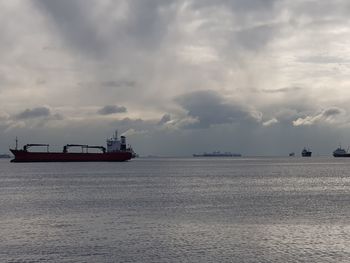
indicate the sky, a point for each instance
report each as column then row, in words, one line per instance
column 177, row 77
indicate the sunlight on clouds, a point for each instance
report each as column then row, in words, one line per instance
column 270, row 122
column 330, row 115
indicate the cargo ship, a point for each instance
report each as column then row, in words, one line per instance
column 306, row 153
column 116, row 151
column 4, row 156
column 340, row 152
column 218, row 154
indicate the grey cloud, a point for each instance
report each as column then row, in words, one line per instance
column 73, row 21
column 322, row 10
column 38, row 112
column 129, row 126
column 327, row 115
column 34, row 113
column 143, row 24
column 209, row 108
column 136, row 52
column 253, row 5
column 118, row 84
column 282, row 90
column 57, row 116
column 270, row 122
column 132, row 123
column 322, row 59
column 166, row 118
column 4, row 116
column 238, row 6
column 257, row 37
column 253, row 23
column 111, row 109
column 332, row 112
column 146, row 23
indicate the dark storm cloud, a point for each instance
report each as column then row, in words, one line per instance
column 111, row 109
column 209, row 108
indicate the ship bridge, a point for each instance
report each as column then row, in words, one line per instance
column 116, row 145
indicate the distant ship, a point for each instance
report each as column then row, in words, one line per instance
column 340, row 152
column 4, row 155
column 218, row 154
column 291, row 154
column 306, row 153
column 117, row 151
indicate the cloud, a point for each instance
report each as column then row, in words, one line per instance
column 41, row 114
column 257, row 37
column 270, row 122
column 327, row 115
column 322, row 59
column 97, row 28
column 209, row 108
column 264, row 61
column 166, row 118
column 111, row 109
column 74, row 22
column 118, row 84
column 282, row 90
column 34, row 113
column 132, row 132
column 4, row 116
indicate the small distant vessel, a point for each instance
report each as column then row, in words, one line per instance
column 291, row 154
column 218, row 154
column 117, row 151
column 306, row 152
column 4, row 155
column 340, row 152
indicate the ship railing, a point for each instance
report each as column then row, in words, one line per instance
column 27, row 146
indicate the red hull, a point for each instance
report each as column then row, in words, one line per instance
column 25, row 156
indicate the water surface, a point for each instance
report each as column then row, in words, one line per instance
column 176, row 210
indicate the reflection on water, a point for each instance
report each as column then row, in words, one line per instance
column 176, row 210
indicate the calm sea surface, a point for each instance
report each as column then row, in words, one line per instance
column 176, row 210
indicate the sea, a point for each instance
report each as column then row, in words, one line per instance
column 263, row 209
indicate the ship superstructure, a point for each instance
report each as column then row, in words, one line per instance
column 115, row 145
column 117, row 151
column 306, row 152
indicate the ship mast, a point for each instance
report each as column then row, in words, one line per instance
column 16, row 142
